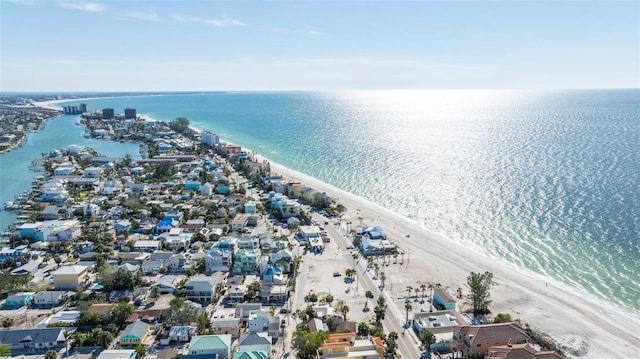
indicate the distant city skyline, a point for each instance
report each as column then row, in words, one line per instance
column 75, row 46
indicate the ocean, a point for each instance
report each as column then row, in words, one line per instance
column 548, row 180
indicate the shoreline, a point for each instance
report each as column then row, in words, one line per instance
column 581, row 324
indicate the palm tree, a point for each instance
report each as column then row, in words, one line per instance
column 409, row 290
column 423, row 287
column 416, row 290
column 344, row 310
column 407, row 308
column 383, row 278
column 369, row 295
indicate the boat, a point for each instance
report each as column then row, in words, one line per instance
column 10, row 206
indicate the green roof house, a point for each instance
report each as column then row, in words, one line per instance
column 257, row 354
column 209, row 346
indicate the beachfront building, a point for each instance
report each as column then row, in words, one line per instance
column 476, row 340
column 444, row 299
column 517, row 351
column 307, row 233
column 378, row 246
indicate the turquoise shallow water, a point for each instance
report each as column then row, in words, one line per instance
column 547, row 180
column 15, row 175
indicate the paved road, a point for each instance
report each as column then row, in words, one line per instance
column 394, row 318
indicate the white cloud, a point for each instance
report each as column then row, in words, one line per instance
column 224, row 22
column 296, row 31
column 84, row 6
column 148, row 15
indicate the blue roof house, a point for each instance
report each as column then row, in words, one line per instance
column 192, row 185
column 17, row 300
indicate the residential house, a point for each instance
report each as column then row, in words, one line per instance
column 520, row 351
column 239, row 221
column 117, row 354
column 250, row 207
column 17, row 300
column 248, row 243
column 476, row 340
column 317, row 325
column 181, row 333
column 152, row 267
column 70, row 277
column 176, row 239
column 166, row 225
column 14, row 253
column 346, row 345
column 261, row 321
column 146, row 246
column 111, row 187
column 192, row 185
column 134, row 258
column 49, row 299
column 254, row 354
column 206, row 189
column 254, row 342
column 244, row 309
column 167, row 283
column 283, row 259
column 178, row 263
column 61, row 318
column 247, row 261
column 273, row 275
column 236, row 293
column 122, row 226
column 32, row 340
column 201, row 289
column 54, row 213
column 306, row 233
column 92, row 172
column 36, row 232
column 218, row 260
column 226, row 326
column 135, row 333
column 28, row 268
column 209, row 346
column 193, row 225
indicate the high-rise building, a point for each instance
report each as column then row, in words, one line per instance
column 108, row 113
column 209, row 138
column 130, row 114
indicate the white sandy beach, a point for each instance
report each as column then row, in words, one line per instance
column 574, row 319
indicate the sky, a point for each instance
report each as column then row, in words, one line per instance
column 170, row 45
